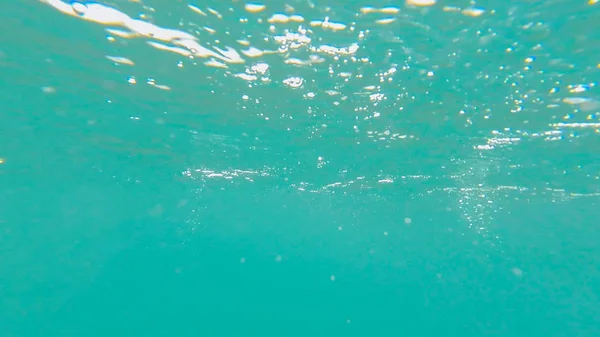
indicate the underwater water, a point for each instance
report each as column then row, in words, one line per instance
column 295, row 168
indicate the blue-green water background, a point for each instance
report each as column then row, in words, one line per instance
column 113, row 226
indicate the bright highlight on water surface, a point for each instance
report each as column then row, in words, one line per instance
column 293, row 38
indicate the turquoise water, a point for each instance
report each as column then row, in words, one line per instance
column 434, row 174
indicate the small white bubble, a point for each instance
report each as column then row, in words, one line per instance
column 293, row 82
column 255, row 8
column 518, row 272
column 407, row 221
column 385, row 233
column 340, row 228
column 332, row 277
column 48, row 90
column 260, row 68
column 243, row 260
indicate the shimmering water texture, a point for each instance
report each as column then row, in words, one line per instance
column 478, row 86
column 299, row 168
